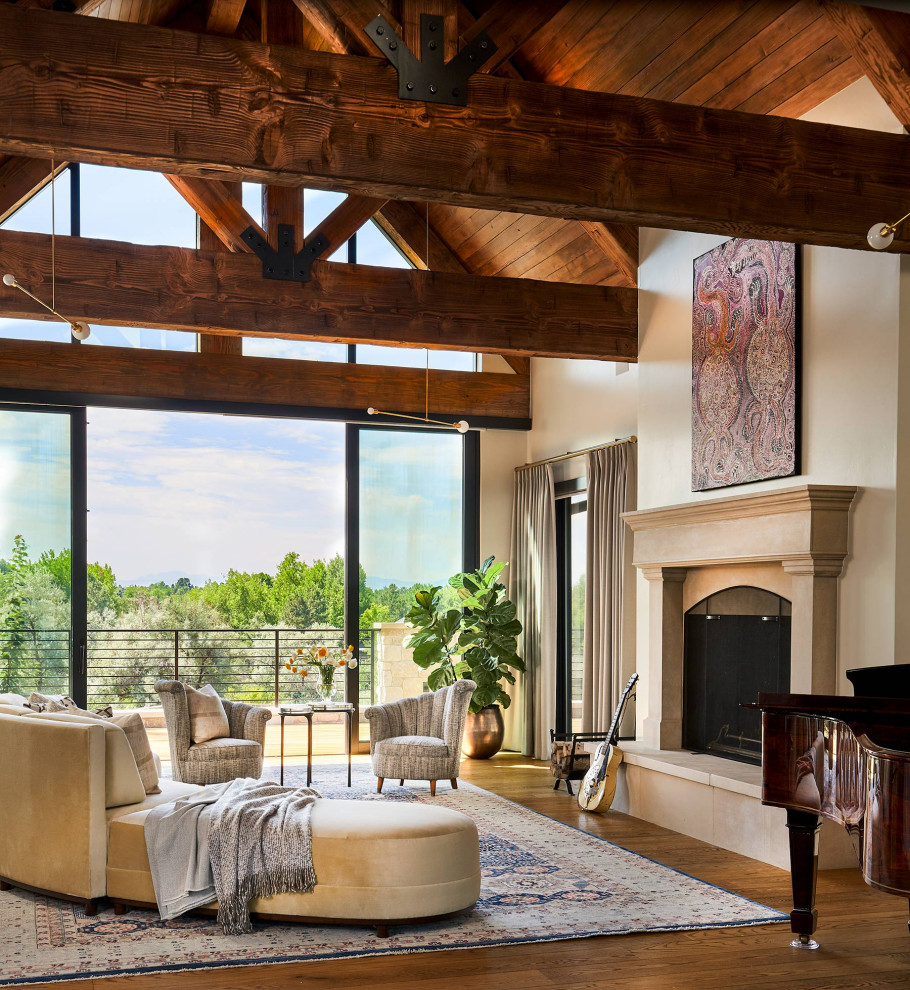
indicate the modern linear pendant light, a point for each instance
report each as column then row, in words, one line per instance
column 461, row 425
column 81, row 331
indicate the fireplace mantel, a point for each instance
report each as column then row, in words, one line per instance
column 799, row 535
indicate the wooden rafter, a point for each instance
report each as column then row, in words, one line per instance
column 20, row 179
column 208, row 240
column 126, row 372
column 880, row 41
column 110, row 282
column 509, row 26
column 617, row 242
column 222, row 211
column 617, row 158
column 223, row 16
column 219, row 208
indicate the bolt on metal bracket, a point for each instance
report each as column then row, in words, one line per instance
column 431, row 79
column 283, row 264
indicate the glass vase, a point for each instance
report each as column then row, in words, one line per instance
column 325, row 684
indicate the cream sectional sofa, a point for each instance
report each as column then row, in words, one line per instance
column 62, row 833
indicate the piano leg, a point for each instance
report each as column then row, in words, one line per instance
column 803, row 872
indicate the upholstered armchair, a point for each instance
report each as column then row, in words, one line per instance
column 420, row 738
column 217, row 760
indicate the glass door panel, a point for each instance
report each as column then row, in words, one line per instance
column 411, row 534
column 578, row 536
column 36, row 540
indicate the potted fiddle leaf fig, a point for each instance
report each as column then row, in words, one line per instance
column 476, row 641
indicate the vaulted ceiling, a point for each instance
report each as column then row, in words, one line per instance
column 760, row 56
column 570, row 140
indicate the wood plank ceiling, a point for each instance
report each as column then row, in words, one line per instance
column 760, row 56
column 769, row 56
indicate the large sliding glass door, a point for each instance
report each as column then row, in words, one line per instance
column 42, row 550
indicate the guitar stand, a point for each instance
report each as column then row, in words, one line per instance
column 576, row 738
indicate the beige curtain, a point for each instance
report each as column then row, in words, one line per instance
column 533, row 589
column 610, row 487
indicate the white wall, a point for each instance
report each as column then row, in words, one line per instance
column 855, row 414
column 850, row 359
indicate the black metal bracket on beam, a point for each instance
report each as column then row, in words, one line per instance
column 283, row 264
column 430, row 80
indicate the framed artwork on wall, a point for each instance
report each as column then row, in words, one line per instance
column 745, row 363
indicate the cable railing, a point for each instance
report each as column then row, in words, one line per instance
column 122, row 665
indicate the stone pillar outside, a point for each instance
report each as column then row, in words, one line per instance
column 663, row 723
column 397, row 676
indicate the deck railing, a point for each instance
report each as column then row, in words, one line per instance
column 123, row 664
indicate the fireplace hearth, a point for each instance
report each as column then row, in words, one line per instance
column 737, row 643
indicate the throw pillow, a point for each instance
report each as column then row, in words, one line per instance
column 137, row 737
column 62, row 703
column 42, row 702
column 11, row 698
column 208, row 719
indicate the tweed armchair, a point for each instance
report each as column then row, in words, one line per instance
column 218, row 760
column 420, row 738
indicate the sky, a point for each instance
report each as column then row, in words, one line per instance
column 174, row 494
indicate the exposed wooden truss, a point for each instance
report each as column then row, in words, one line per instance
column 617, row 158
column 110, row 282
column 223, row 16
column 110, row 372
column 880, row 42
column 20, row 179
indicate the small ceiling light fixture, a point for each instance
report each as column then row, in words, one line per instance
column 881, row 235
column 81, row 331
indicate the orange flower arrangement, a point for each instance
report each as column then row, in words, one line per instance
column 325, row 662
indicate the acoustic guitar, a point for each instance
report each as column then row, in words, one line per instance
column 599, row 785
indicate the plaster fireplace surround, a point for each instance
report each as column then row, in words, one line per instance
column 791, row 542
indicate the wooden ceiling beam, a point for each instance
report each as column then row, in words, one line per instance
column 346, row 219
column 119, row 284
column 221, row 210
column 219, row 207
column 879, row 40
column 341, row 22
column 208, row 240
column 336, row 121
column 509, row 26
column 223, row 16
column 20, row 179
column 112, row 373
column 619, row 242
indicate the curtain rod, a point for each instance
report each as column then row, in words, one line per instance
column 577, row 453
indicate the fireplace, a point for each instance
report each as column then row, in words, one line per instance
column 737, row 643
column 791, row 542
column 751, row 559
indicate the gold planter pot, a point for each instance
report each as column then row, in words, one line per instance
column 483, row 733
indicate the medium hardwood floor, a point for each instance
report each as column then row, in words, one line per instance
column 863, row 933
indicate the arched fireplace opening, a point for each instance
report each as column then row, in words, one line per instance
column 737, row 643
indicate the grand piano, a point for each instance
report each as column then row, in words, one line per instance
column 848, row 760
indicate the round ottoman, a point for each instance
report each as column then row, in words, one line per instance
column 377, row 863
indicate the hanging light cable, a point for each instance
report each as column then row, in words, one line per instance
column 80, row 331
column 461, row 425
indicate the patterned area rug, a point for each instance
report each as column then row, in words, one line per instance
column 542, row 881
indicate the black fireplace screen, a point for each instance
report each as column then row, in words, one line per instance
column 737, row 644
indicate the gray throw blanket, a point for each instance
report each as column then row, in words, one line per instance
column 235, row 841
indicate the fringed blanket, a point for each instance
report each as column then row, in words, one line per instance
column 247, row 838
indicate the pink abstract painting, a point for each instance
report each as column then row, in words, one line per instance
column 744, row 364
